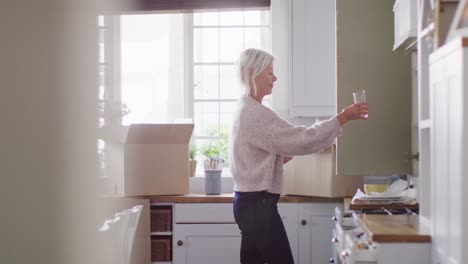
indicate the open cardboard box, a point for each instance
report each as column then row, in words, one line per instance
column 315, row 175
column 156, row 159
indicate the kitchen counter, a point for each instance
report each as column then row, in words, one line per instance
column 393, row 228
column 228, row 197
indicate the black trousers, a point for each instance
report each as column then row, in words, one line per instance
column 264, row 238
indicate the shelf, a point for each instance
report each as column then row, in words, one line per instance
column 426, row 123
column 161, row 233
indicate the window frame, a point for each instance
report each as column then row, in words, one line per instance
column 189, row 29
column 112, row 64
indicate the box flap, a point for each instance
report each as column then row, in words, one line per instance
column 159, row 133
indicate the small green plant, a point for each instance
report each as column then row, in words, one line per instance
column 210, row 150
column 216, row 148
column 192, row 151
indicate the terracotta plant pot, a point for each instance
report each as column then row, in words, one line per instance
column 193, row 167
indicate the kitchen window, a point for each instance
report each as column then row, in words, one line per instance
column 176, row 68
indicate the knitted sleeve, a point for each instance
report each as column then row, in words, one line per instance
column 274, row 134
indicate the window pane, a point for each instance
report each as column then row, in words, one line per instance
column 256, row 38
column 206, row 81
column 152, row 68
column 227, row 110
column 229, row 83
column 206, row 118
column 206, row 45
column 206, row 19
column 101, row 42
column 234, row 18
column 231, row 41
column 102, row 82
column 101, row 21
column 256, row 18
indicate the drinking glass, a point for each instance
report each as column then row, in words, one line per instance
column 360, row 97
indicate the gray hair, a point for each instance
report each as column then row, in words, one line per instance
column 254, row 60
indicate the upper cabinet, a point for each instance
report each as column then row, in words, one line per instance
column 313, row 61
column 405, row 24
column 342, row 46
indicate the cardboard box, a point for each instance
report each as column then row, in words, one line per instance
column 156, row 159
column 315, row 175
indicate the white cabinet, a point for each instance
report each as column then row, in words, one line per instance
column 206, row 243
column 405, row 24
column 315, row 232
column 207, row 233
column 341, row 46
column 313, row 63
column 449, row 115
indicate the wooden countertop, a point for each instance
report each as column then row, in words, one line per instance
column 393, row 228
column 228, row 197
column 375, row 205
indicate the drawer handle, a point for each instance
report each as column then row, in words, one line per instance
column 334, row 240
column 180, row 243
column 332, row 260
column 335, row 219
column 303, row 222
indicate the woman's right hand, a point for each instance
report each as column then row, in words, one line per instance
column 353, row 112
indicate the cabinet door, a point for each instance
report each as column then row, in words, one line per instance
column 289, row 214
column 206, row 244
column 315, row 232
column 313, row 60
column 211, row 242
column 448, row 110
column 365, row 61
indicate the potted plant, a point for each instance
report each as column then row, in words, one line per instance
column 213, row 163
column 192, row 160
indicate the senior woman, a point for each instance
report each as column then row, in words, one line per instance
column 261, row 142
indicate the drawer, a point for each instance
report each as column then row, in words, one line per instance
column 354, row 253
column 161, row 249
column 203, row 213
column 161, row 218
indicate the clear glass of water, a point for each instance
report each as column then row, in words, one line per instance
column 360, row 97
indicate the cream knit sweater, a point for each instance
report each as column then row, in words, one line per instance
column 259, row 140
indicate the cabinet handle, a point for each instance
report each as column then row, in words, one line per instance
column 303, row 222
column 335, row 219
column 180, row 243
column 332, row 260
column 334, row 240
